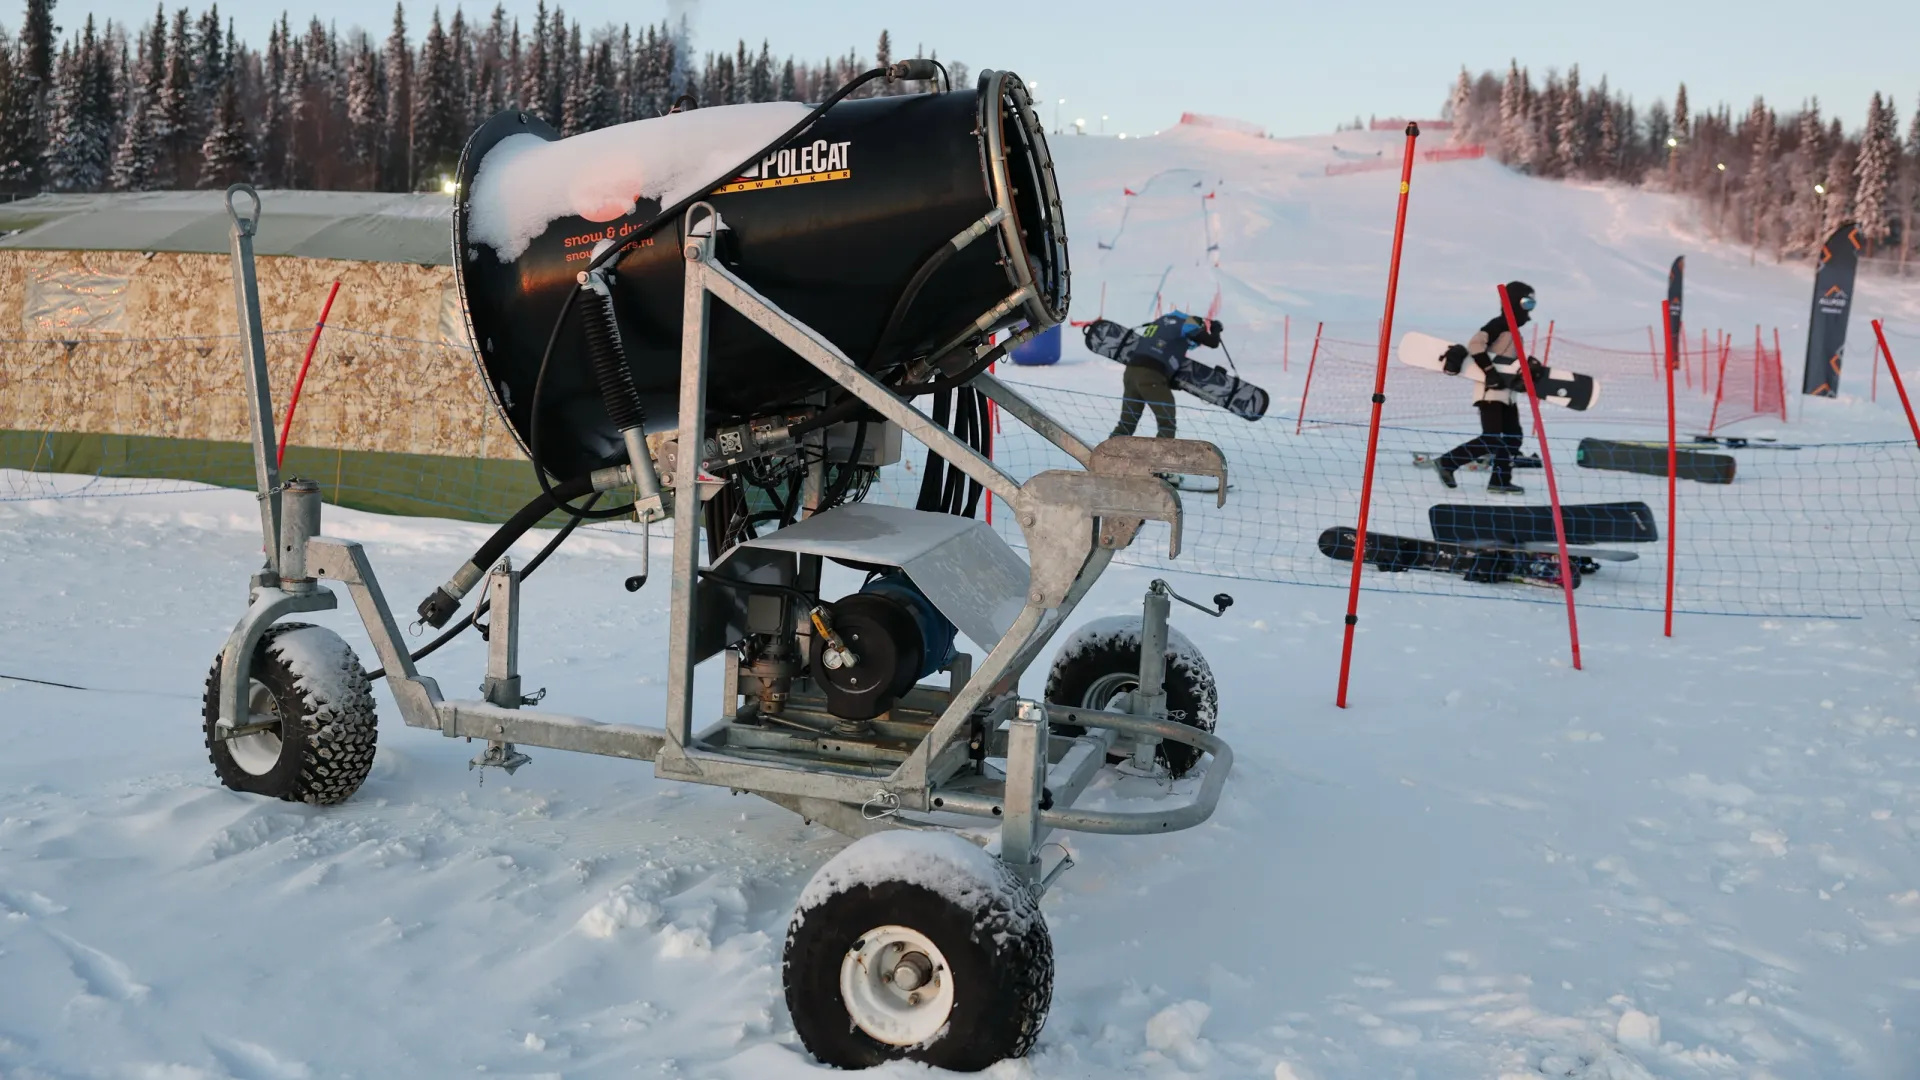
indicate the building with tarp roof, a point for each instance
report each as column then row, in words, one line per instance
column 120, row 348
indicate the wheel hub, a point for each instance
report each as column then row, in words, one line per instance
column 896, row 986
column 259, row 752
column 1111, row 692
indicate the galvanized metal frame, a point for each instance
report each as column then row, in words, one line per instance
column 1073, row 521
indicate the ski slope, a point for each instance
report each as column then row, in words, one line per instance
column 1696, row 858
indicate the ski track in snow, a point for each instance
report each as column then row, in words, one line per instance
column 1693, row 859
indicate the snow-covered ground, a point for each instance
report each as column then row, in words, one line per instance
column 1695, row 858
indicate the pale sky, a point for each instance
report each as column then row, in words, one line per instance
column 1293, row 68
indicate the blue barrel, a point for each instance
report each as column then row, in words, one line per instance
column 1044, row 349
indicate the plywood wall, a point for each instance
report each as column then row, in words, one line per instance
column 132, row 343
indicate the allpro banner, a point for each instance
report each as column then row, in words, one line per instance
column 1676, row 279
column 1832, row 301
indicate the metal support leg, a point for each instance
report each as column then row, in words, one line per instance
column 502, row 684
column 253, row 342
column 686, row 504
column 1026, row 783
column 1151, row 698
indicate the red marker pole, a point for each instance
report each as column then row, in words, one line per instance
column 1308, row 385
column 1673, row 462
column 1546, row 466
column 1379, row 399
column 1894, row 372
column 1713, row 417
column 1779, row 374
column 300, row 380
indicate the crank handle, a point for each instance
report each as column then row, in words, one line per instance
column 1221, row 601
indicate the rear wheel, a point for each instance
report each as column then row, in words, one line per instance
column 1100, row 665
column 309, row 732
column 949, row 964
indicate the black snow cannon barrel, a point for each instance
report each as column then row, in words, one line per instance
column 832, row 227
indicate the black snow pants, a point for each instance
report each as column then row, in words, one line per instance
column 1500, row 435
column 1146, row 387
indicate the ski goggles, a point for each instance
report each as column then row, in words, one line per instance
column 1526, row 303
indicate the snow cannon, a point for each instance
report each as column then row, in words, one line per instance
column 863, row 227
column 736, row 316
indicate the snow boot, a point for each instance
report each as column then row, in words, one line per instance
column 1446, row 474
column 1508, row 488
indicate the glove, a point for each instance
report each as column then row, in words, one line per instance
column 1538, row 370
column 1454, row 359
column 1210, row 337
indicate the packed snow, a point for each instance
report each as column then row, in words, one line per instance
column 1695, row 858
column 526, row 183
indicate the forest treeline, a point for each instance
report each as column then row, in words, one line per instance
column 1778, row 181
column 182, row 102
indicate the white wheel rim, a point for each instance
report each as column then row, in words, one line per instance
column 880, row 981
column 258, row 753
column 1110, row 691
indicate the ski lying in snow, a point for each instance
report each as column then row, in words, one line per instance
column 1568, row 389
column 1587, row 560
column 1650, row 459
column 1213, row 385
column 1743, row 442
column 1525, row 461
column 1586, row 523
column 1395, row 554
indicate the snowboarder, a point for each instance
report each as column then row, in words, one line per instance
column 1158, row 350
column 1493, row 349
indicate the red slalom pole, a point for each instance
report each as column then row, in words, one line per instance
column 1308, row 385
column 1546, row 466
column 286, row 426
column 1546, row 358
column 1779, row 374
column 1720, row 391
column 1379, row 399
column 1673, row 463
column 1894, row 372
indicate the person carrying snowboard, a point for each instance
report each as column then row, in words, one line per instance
column 1159, row 349
column 1492, row 349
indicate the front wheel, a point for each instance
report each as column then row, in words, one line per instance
column 309, row 732
column 919, row 946
column 1100, row 664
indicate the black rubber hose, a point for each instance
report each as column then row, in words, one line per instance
column 530, row 515
column 525, row 572
column 533, row 432
column 440, row 605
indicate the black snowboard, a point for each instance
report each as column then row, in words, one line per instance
column 1586, row 523
column 1215, row 386
column 1486, row 564
column 1651, row 459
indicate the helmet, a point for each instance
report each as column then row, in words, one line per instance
column 1521, row 294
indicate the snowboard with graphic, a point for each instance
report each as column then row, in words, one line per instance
column 1568, row 389
column 1213, row 385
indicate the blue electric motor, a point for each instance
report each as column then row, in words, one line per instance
column 897, row 637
